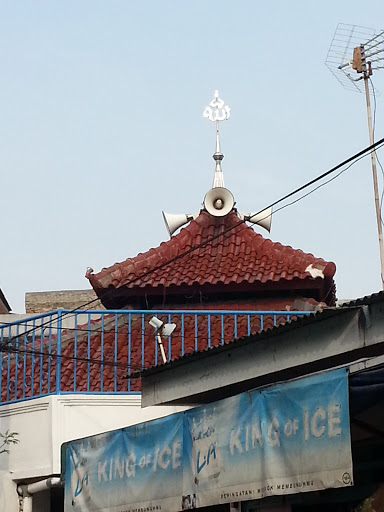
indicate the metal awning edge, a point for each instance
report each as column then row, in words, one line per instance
column 244, row 340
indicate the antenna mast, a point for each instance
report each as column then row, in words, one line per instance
column 366, row 57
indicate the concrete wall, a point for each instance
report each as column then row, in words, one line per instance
column 8, row 494
column 42, row 302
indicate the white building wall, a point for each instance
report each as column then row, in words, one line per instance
column 8, row 493
column 44, row 424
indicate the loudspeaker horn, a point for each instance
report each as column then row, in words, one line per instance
column 218, row 201
column 175, row 221
column 263, row 219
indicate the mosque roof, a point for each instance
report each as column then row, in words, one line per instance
column 215, row 252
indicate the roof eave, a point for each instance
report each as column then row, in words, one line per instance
column 4, row 301
column 112, row 296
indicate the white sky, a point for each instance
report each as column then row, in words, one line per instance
column 101, row 128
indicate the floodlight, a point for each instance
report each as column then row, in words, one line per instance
column 156, row 323
column 168, row 329
column 161, row 329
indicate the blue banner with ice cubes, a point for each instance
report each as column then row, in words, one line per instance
column 288, row 438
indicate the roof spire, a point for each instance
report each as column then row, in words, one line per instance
column 216, row 111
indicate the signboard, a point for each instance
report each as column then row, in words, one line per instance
column 289, row 438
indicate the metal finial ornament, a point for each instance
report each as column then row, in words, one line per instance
column 217, row 111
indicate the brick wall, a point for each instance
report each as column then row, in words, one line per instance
column 42, row 302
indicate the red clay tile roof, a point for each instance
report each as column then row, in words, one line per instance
column 239, row 256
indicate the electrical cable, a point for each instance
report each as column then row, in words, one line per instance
column 321, row 185
column 18, row 350
column 354, row 157
column 101, row 362
column 150, row 332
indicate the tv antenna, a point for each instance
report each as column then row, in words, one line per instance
column 354, row 54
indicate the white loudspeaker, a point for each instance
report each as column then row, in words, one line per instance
column 262, row 219
column 175, row 221
column 218, row 201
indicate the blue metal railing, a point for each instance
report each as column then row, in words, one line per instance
column 104, row 351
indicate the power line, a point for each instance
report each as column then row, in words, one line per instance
column 322, row 184
column 356, row 156
column 110, row 322
column 100, row 362
column 149, row 332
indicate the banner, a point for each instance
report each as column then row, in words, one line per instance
column 289, row 438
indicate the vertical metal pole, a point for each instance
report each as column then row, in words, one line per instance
column 222, row 328
column 209, row 330
column 196, row 332
column 24, row 359
column 17, row 363
column 129, row 350
column 41, row 376
column 50, row 354
column 75, row 350
column 102, row 353
column 169, row 340
column 142, row 341
column 374, row 174
column 33, row 356
column 88, row 350
column 115, row 356
column 58, row 352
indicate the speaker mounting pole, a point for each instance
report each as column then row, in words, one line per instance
column 216, row 111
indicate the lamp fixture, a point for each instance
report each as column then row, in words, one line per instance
column 161, row 329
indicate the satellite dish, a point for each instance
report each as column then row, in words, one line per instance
column 263, row 219
column 175, row 221
column 219, row 201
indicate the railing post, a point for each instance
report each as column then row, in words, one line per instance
column 102, row 354
column 17, row 364
column 88, row 349
column 75, row 354
column 58, row 352
column 129, row 351
column 222, row 328
column 209, row 330
column 169, row 341
column 115, row 355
